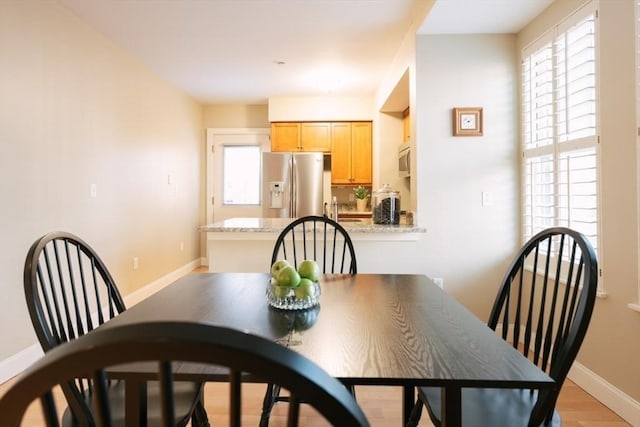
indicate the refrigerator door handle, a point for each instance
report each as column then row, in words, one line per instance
column 294, row 188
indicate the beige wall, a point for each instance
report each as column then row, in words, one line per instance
column 76, row 111
column 236, row 116
column 612, row 346
column 467, row 244
column 320, row 108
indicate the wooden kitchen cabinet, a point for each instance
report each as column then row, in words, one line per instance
column 406, row 125
column 351, row 153
column 341, row 153
column 296, row 136
column 285, row 136
column 315, row 136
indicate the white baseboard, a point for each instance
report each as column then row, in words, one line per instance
column 17, row 363
column 613, row 398
column 619, row 402
column 153, row 287
column 13, row 365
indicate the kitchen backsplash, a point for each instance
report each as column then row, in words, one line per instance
column 346, row 199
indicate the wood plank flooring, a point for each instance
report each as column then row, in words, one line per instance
column 381, row 404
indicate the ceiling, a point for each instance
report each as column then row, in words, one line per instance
column 246, row 51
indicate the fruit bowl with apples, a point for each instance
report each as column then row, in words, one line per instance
column 294, row 289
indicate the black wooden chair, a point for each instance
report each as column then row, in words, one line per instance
column 325, row 241
column 318, row 238
column 70, row 292
column 175, row 342
column 543, row 308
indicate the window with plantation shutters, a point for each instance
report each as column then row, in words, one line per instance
column 560, row 128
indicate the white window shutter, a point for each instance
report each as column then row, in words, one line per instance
column 559, row 128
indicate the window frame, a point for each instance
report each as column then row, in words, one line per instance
column 558, row 146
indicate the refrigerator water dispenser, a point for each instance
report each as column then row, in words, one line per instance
column 276, row 194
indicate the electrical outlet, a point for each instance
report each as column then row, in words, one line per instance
column 181, row 246
column 135, row 262
column 439, row 281
column 93, row 191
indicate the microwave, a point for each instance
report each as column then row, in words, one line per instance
column 404, row 160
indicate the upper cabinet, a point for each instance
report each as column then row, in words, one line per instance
column 406, row 125
column 285, row 136
column 351, row 153
column 349, row 144
column 311, row 136
column 315, row 136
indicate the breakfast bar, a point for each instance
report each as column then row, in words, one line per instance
column 245, row 244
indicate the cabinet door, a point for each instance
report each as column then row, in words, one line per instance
column 361, row 153
column 285, row 136
column 406, row 125
column 341, row 153
column 315, row 136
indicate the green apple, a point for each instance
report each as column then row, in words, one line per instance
column 309, row 269
column 277, row 266
column 280, row 291
column 306, row 289
column 288, row 276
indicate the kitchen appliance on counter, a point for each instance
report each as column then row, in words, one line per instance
column 292, row 184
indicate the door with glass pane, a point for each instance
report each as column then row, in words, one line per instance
column 234, row 172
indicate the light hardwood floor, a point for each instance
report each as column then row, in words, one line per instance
column 382, row 405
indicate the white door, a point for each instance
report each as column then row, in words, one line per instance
column 217, row 140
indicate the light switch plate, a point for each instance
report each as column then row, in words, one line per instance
column 487, row 199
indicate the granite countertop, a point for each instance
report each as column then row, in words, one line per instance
column 275, row 225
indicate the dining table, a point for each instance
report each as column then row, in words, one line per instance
column 368, row 329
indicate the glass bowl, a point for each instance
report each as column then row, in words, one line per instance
column 286, row 299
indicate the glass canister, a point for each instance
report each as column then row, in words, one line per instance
column 385, row 206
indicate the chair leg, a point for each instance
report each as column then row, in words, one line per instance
column 415, row 415
column 270, row 397
column 199, row 417
column 352, row 390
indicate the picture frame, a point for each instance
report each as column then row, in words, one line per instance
column 467, row 121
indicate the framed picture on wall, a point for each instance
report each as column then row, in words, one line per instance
column 467, row 121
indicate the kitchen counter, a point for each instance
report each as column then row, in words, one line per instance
column 246, row 244
column 276, row 225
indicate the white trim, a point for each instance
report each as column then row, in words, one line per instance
column 601, row 390
column 13, row 365
column 610, row 396
column 211, row 134
column 153, row 287
column 634, row 307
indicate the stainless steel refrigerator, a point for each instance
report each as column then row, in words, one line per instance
column 292, row 184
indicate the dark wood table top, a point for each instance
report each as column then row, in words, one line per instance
column 368, row 329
